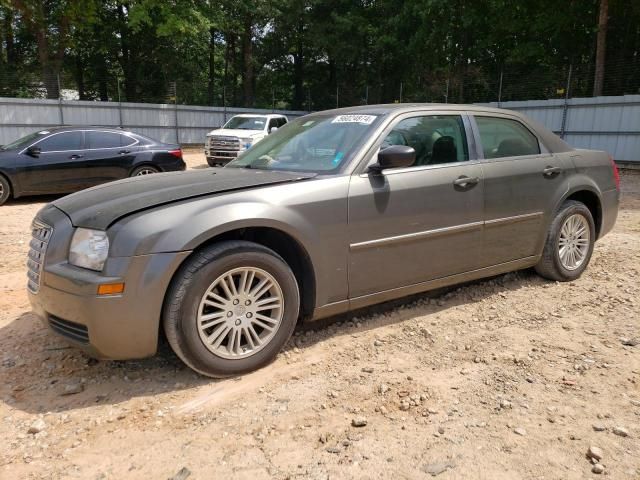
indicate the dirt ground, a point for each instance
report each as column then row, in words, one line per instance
column 508, row 378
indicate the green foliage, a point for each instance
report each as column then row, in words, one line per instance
column 312, row 53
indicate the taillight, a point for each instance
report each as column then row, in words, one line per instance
column 176, row 153
column 616, row 173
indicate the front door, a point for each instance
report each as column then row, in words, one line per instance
column 414, row 224
column 522, row 182
column 58, row 166
column 109, row 156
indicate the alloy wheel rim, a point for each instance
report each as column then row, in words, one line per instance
column 240, row 313
column 1, row 190
column 145, row 171
column 574, row 240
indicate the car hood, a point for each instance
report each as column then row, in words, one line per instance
column 100, row 206
column 230, row 132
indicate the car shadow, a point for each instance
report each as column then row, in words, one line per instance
column 31, row 199
column 43, row 374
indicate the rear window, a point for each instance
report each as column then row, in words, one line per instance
column 503, row 137
column 96, row 139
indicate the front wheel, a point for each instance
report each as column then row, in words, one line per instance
column 231, row 308
column 5, row 190
column 569, row 245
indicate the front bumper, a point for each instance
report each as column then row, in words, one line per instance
column 118, row 327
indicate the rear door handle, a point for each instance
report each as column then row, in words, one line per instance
column 124, row 152
column 551, row 171
column 466, row 182
column 75, row 156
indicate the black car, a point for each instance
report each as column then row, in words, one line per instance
column 67, row 159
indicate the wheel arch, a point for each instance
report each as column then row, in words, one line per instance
column 144, row 163
column 284, row 244
column 591, row 199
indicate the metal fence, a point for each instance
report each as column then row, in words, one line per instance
column 168, row 123
column 601, row 123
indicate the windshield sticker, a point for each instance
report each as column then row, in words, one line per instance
column 362, row 119
column 338, row 158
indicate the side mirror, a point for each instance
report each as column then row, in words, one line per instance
column 395, row 156
column 34, row 152
column 273, row 129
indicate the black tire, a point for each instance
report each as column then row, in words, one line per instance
column 550, row 266
column 193, row 280
column 5, row 190
column 150, row 169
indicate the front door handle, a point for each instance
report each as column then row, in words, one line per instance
column 466, row 182
column 551, row 171
column 76, row 156
column 124, row 152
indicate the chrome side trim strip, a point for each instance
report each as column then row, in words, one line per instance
column 514, row 219
column 410, row 237
column 415, row 236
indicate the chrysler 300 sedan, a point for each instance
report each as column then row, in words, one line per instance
column 68, row 159
column 337, row 210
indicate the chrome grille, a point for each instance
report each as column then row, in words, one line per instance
column 224, row 143
column 40, row 235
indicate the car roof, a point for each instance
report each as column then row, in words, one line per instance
column 383, row 109
column 72, row 128
column 265, row 115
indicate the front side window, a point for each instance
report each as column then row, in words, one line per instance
column 246, row 123
column 61, row 142
column 437, row 139
column 503, row 137
column 97, row 139
column 320, row 143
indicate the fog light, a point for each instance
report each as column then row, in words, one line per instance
column 110, row 288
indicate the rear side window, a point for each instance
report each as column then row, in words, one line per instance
column 502, row 137
column 281, row 122
column 96, row 139
column 436, row 139
column 61, row 142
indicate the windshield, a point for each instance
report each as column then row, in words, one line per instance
column 25, row 141
column 246, row 123
column 322, row 143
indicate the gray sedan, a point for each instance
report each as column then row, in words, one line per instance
column 336, row 211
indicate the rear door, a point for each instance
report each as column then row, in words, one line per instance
column 109, row 156
column 523, row 182
column 410, row 225
column 59, row 166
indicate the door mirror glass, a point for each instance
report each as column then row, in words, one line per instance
column 395, row 156
column 273, row 129
column 34, row 151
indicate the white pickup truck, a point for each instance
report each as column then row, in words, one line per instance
column 239, row 134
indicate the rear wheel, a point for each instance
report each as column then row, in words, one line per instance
column 5, row 190
column 144, row 170
column 569, row 245
column 231, row 308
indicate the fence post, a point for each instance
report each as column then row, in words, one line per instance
column 446, row 92
column 175, row 109
column 119, row 103
column 400, row 92
column 500, row 90
column 224, row 103
column 565, row 106
column 60, row 101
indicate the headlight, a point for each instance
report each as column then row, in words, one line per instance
column 89, row 249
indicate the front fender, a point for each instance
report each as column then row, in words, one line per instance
column 313, row 213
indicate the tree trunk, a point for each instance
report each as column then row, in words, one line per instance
column 127, row 64
column 9, row 39
column 212, row 67
column 80, row 79
column 298, row 70
column 247, row 64
column 603, row 20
